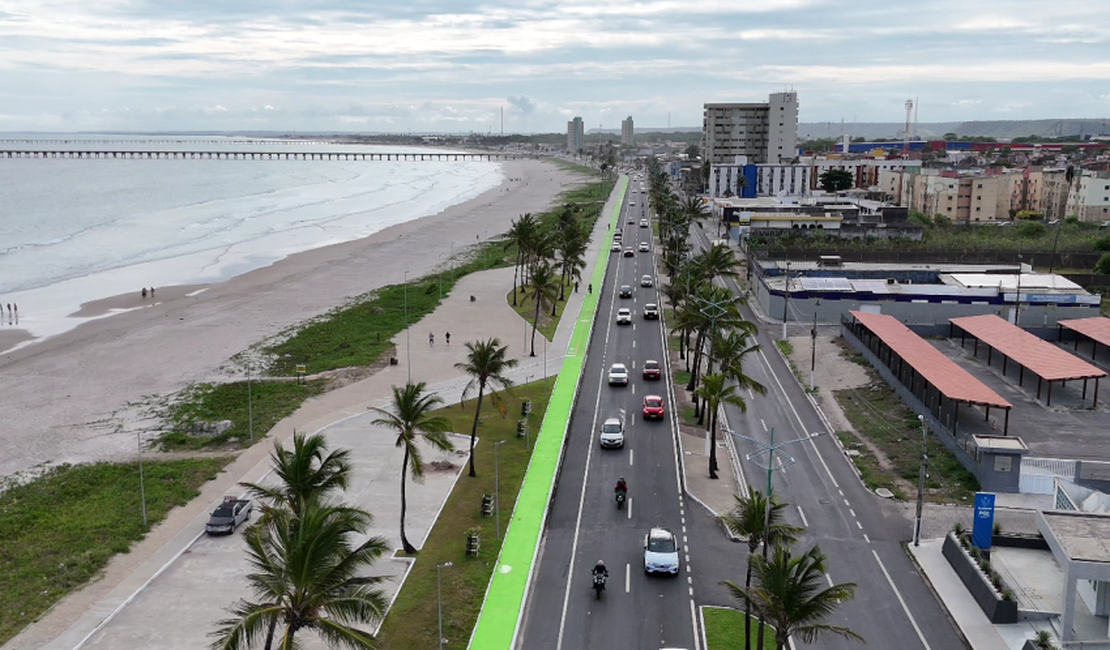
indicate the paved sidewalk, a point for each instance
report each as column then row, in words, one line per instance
column 198, row 577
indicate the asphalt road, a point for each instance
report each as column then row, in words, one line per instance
column 636, row 611
column 893, row 607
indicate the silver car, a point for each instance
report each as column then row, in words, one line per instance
column 618, row 374
column 612, row 433
column 660, row 551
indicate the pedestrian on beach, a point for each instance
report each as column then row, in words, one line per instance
column 431, row 339
column 152, row 292
column 144, row 293
column 447, row 336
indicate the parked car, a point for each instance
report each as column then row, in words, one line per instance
column 660, row 551
column 618, row 374
column 624, row 316
column 612, row 433
column 646, row 281
column 653, row 407
column 644, row 247
column 615, row 247
column 228, row 515
column 629, row 252
column 651, row 311
column 652, row 369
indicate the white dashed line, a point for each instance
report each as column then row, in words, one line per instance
column 866, row 538
column 630, row 452
column 859, row 525
column 803, row 516
column 628, row 578
column 853, row 513
column 829, row 578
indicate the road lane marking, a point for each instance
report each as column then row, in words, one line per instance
column 630, row 452
column 847, row 504
column 764, row 425
column 829, row 579
column 866, row 538
column 629, row 507
column 853, row 513
column 628, row 578
column 859, row 525
column 803, row 516
column 901, row 601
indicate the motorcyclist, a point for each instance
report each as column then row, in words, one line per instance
column 600, row 569
column 621, row 485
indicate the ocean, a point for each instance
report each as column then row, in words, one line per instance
column 74, row 231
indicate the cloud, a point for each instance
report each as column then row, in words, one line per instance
column 522, row 104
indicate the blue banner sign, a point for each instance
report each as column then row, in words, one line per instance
column 983, row 529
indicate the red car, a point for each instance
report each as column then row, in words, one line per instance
column 653, row 407
column 651, row 369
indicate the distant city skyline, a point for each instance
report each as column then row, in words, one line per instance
column 440, row 66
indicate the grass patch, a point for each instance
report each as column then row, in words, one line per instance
column 881, row 418
column 271, row 401
column 60, row 530
column 724, row 630
column 412, row 622
column 688, row 415
column 785, row 347
column 682, row 377
column 527, row 310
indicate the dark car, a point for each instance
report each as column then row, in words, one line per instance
column 626, row 291
column 629, row 252
column 652, row 370
column 228, row 516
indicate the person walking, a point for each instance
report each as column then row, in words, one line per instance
column 431, row 339
column 576, row 286
column 144, row 293
column 447, row 337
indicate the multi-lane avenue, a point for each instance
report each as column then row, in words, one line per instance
column 861, row 534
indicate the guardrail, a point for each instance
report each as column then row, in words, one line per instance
column 497, row 628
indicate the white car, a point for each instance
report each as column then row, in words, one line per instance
column 618, row 374
column 660, row 552
column 624, row 316
column 643, row 223
column 615, row 247
column 646, row 281
column 631, row 203
column 644, row 247
column 612, row 433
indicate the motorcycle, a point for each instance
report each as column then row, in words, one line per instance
column 621, row 496
column 599, row 584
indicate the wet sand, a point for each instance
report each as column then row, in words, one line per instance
column 84, row 395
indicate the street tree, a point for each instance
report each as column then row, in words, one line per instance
column 836, row 180
column 486, row 363
column 716, row 391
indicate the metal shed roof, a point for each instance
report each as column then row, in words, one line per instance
column 1096, row 327
column 1043, row 358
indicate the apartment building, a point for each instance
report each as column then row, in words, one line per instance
column 576, row 135
column 1089, row 198
column 963, row 198
column 760, row 132
column 628, row 132
column 1054, row 194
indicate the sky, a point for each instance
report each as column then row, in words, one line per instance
column 455, row 65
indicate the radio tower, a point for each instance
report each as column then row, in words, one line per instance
column 906, row 133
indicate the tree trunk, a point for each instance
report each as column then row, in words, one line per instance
column 270, row 633
column 748, row 605
column 409, row 548
column 474, row 429
column 516, row 270
column 713, row 442
column 535, row 323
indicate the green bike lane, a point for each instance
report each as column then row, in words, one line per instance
column 499, row 620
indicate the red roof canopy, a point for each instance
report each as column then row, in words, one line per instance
column 946, row 375
column 1043, row 358
column 1096, row 327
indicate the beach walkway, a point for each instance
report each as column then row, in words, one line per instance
column 177, row 568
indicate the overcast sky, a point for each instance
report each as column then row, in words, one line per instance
column 452, row 65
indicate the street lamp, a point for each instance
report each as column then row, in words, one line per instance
column 408, row 346
column 497, row 488
column 528, row 415
column 250, row 404
column 439, row 600
column 921, row 482
column 142, row 482
column 786, row 300
column 1017, row 299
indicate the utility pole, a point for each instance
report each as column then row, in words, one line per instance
column 408, row 347
column 921, row 482
column 1017, row 299
column 786, row 300
column 439, row 600
column 813, row 352
column 250, row 405
column 497, row 488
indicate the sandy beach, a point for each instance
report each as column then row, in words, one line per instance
column 80, row 397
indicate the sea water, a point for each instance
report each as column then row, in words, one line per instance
column 74, row 231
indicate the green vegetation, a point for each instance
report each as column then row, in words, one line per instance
column 888, row 439
column 785, row 347
column 724, row 630
column 60, row 530
column 270, row 400
column 412, row 621
column 548, row 323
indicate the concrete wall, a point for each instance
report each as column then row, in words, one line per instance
column 997, row 610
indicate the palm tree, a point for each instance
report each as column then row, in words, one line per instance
column 749, row 518
column 307, row 574
column 715, row 391
column 521, row 232
column 486, row 364
column 791, row 595
column 730, row 347
column 305, row 473
column 716, row 262
column 542, row 288
column 410, row 415
column 572, row 261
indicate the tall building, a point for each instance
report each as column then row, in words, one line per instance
column 628, row 132
column 764, row 133
column 1089, row 198
column 576, row 135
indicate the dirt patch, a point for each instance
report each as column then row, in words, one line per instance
column 440, row 466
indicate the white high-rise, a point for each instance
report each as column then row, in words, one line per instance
column 628, row 132
column 764, row 133
column 576, row 135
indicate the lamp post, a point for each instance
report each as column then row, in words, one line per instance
column 250, row 405
column 786, row 300
column 1017, row 299
column 408, row 347
column 527, row 416
column 439, row 600
column 921, row 482
column 497, row 489
column 142, row 482
column 813, row 350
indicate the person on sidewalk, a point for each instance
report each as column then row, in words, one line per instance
column 447, row 337
column 431, row 339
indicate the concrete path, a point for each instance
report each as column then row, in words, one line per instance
column 178, row 569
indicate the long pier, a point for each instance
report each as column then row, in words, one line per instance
column 253, row 155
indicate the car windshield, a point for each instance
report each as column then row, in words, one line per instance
column 611, row 428
column 661, row 545
column 653, row 402
column 651, row 365
column 223, row 511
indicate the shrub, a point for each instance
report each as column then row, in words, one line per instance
column 959, row 528
column 1031, row 229
column 942, row 221
column 1103, row 265
column 1102, row 243
column 997, row 528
